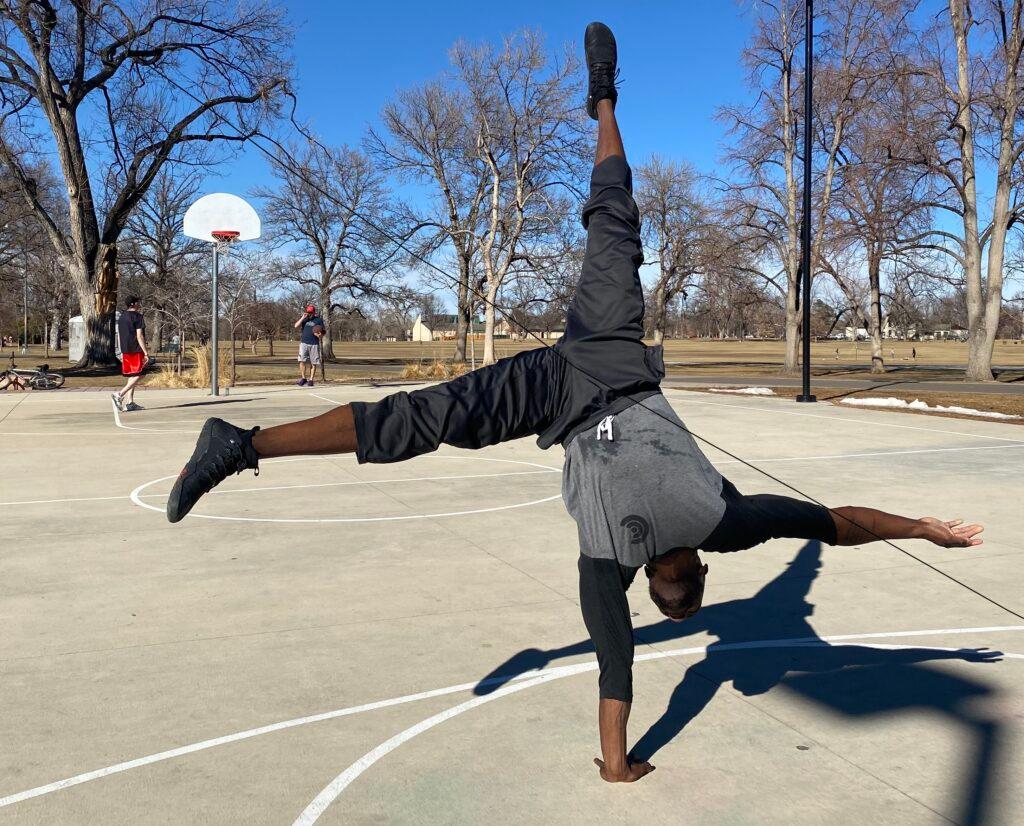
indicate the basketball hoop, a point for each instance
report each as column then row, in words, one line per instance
column 225, row 236
column 219, row 209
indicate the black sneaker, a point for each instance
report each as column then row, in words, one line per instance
column 131, row 407
column 602, row 59
column 222, row 449
column 116, row 399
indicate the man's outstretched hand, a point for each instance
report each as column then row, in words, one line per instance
column 953, row 534
column 633, row 772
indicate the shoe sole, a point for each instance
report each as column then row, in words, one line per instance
column 174, row 513
column 599, row 27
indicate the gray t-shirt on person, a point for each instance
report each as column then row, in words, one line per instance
column 644, row 491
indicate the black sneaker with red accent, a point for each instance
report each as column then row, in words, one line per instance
column 222, row 449
column 602, row 66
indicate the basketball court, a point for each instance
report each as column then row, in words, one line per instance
column 339, row 643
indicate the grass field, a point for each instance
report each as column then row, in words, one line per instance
column 364, row 361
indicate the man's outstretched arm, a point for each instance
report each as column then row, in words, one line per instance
column 606, row 615
column 856, row 526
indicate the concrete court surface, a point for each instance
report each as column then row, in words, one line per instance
column 311, row 645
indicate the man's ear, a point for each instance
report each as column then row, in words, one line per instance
column 705, row 570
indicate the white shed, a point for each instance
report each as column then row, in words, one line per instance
column 420, row 331
column 76, row 338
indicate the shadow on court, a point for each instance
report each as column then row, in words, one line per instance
column 213, row 402
column 851, row 681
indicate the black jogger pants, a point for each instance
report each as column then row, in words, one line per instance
column 599, row 366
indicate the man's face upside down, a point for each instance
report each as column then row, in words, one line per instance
column 676, row 583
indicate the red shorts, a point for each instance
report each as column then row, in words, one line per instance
column 132, row 364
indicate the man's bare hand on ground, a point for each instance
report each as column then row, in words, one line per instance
column 632, row 773
column 952, row 534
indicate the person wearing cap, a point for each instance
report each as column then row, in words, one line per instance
column 312, row 329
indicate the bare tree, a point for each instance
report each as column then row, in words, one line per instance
column 530, row 143
column 970, row 120
column 428, row 139
column 675, row 225
column 884, row 210
column 121, row 89
column 325, row 207
column 852, row 63
column 160, row 262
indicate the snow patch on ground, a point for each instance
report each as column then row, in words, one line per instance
column 917, row 404
column 743, row 391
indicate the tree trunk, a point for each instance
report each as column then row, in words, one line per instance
column 982, row 340
column 660, row 311
column 489, row 329
column 463, row 311
column 56, row 326
column 158, row 334
column 792, row 360
column 97, row 297
column 327, row 342
column 875, row 316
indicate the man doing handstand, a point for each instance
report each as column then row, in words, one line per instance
column 634, row 479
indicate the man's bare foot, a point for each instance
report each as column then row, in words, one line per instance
column 953, row 534
column 634, row 771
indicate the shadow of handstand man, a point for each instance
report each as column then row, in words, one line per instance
column 850, row 680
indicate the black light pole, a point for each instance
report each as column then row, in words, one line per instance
column 805, row 228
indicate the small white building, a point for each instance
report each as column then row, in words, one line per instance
column 76, row 338
column 442, row 327
column 420, row 331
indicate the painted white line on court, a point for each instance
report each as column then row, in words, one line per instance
column 866, row 420
column 833, row 456
column 333, row 790
column 180, row 751
column 369, row 482
column 117, row 421
column 56, row 501
column 289, row 487
column 137, row 496
column 332, row 401
column 870, row 455
column 197, row 423
column 330, row 792
column 127, row 496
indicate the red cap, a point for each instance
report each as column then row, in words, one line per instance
column 310, row 308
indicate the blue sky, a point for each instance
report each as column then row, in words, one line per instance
column 679, row 62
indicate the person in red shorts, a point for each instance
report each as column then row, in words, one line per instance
column 131, row 331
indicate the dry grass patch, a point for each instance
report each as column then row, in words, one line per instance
column 196, row 376
column 436, row 370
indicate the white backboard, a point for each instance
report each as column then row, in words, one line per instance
column 221, row 211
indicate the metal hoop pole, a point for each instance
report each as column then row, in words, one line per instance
column 215, row 308
column 805, row 229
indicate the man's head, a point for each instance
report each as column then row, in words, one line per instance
column 132, row 302
column 675, row 582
